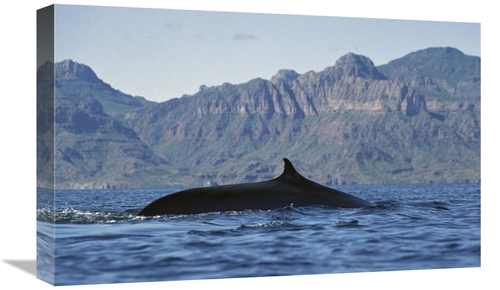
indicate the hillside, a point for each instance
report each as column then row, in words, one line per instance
column 445, row 75
column 414, row 120
column 78, row 82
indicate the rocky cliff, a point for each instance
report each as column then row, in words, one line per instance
column 412, row 120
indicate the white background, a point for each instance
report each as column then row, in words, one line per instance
column 18, row 142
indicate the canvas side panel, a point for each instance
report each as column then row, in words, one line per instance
column 45, row 144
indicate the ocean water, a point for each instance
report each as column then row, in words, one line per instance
column 94, row 236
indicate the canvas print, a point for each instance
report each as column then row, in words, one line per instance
column 181, row 145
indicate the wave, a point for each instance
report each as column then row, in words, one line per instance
column 72, row 216
column 280, row 217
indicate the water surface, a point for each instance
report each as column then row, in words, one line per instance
column 94, row 236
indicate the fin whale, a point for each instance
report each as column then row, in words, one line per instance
column 290, row 188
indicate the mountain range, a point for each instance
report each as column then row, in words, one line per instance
column 415, row 119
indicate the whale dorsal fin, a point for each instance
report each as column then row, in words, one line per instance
column 288, row 168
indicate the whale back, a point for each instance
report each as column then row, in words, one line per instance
column 322, row 195
column 288, row 188
column 288, row 169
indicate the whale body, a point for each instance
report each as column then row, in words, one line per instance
column 289, row 189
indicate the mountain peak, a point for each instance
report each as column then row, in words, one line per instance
column 437, row 62
column 286, row 75
column 356, row 65
column 422, row 57
column 68, row 69
column 441, row 50
column 354, row 58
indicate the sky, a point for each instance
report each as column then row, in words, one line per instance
column 164, row 53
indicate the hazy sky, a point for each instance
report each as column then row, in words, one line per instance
column 162, row 53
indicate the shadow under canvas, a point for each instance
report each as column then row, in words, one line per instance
column 28, row 266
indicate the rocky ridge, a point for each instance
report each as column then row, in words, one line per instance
column 412, row 120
